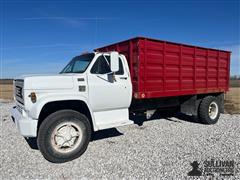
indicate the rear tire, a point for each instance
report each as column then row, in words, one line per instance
column 64, row 136
column 209, row 112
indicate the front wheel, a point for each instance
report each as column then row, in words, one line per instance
column 209, row 110
column 64, row 136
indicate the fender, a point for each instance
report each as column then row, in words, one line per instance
column 36, row 109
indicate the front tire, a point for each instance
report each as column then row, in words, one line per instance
column 209, row 110
column 64, row 136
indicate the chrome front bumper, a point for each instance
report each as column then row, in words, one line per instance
column 26, row 125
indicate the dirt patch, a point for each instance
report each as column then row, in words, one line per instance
column 235, row 83
column 6, row 91
column 232, row 101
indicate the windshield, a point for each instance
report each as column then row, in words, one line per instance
column 78, row 64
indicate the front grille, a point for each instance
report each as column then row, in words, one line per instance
column 19, row 94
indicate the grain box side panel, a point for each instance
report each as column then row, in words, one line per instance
column 161, row 68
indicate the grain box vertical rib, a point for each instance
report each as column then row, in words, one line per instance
column 180, row 68
column 218, row 67
column 228, row 71
column 164, row 54
column 207, row 59
column 138, row 66
column 194, row 69
column 117, row 47
column 131, row 58
column 145, row 67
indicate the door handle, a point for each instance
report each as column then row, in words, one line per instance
column 123, row 78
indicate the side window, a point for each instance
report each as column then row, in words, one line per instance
column 102, row 66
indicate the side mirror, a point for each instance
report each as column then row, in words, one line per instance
column 114, row 64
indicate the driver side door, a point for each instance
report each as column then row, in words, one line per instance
column 105, row 93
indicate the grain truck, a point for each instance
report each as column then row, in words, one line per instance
column 99, row 90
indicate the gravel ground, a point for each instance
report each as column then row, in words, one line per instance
column 159, row 149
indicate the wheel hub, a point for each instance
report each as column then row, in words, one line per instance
column 66, row 137
column 213, row 110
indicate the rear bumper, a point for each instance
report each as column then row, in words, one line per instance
column 26, row 125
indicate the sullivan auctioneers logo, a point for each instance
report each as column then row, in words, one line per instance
column 214, row 167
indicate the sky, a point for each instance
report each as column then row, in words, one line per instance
column 42, row 36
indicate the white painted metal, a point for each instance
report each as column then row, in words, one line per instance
column 213, row 110
column 25, row 124
column 114, row 65
column 66, row 137
column 107, row 98
column 111, row 118
column 108, row 102
column 105, row 95
column 48, row 82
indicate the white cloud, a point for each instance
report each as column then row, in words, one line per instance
column 72, row 21
column 65, row 17
column 41, row 46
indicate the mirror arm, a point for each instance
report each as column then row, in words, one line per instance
column 114, row 77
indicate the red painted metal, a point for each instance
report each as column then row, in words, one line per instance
column 161, row 68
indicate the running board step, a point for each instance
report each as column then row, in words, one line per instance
column 115, row 124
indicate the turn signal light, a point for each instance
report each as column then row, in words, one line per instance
column 33, row 97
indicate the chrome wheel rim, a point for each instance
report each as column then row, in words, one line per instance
column 66, row 137
column 213, row 110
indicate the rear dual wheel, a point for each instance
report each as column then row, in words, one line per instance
column 208, row 112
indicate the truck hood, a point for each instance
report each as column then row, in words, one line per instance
column 47, row 82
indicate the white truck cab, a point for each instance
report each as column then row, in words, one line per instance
column 93, row 92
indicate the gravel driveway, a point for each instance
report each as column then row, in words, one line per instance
column 160, row 149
